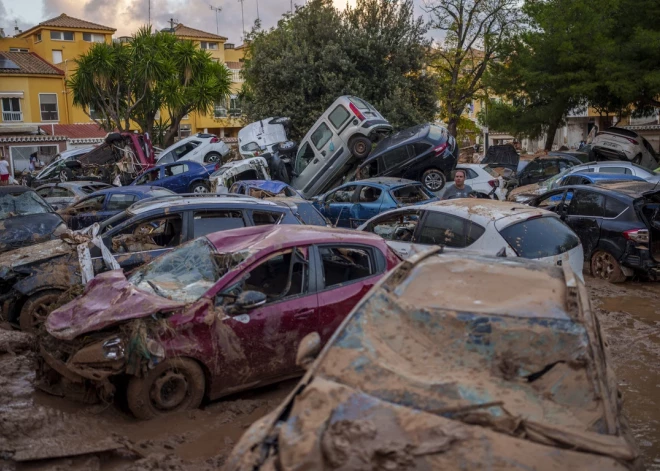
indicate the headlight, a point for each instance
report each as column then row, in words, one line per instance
column 113, row 349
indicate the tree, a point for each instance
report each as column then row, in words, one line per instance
column 376, row 50
column 131, row 82
column 473, row 32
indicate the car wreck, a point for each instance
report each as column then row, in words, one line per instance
column 514, row 375
column 220, row 314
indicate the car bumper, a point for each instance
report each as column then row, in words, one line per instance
column 640, row 260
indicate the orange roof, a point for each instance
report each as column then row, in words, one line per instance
column 26, row 63
column 188, row 32
column 65, row 21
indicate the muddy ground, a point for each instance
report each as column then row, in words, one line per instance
column 33, row 424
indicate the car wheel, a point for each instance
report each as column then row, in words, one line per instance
column 360, row 147
column 433, row 180
column 199, row 187
column 285, row 148
column 212, row 157
column 175, row 384
column 606, row 267
column 36, row 309
column 637, row 159
column 66, row 175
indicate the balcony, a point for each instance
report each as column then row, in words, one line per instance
column 236, row 76
column 12, row 116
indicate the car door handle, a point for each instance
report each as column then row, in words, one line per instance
column 315, row 161
column 303, row 314
column 323, row 153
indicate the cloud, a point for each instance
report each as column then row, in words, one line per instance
column 9, row 19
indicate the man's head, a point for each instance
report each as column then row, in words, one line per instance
column 459, row 178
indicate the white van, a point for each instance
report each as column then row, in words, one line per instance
column 261, row 136
column 255, row 168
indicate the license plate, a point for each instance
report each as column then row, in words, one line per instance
column 610, row 144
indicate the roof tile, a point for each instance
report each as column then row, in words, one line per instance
column 186, row 31
column 29, row 63
column 65, row 21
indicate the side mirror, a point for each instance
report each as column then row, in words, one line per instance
column 247, row 300
column 309, row 348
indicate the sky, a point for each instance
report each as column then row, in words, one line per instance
column 128, row 15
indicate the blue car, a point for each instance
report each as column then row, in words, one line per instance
column 589, row 178
column 103, row 204
column 180, row 177
column 276, row 187
column 353, row 203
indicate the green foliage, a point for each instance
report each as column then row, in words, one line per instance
column 133, row 81
column 376, row 51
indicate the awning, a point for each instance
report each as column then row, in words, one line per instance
column 11, row 94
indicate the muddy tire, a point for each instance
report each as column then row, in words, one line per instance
column 434, row 180
column 360, row 147
column 212, row 158
column 606, row 267
column 36, row 309
column 174, row 385
column 199, row 187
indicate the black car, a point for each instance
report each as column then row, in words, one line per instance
column 26, row 219
column 546, row 166
column 618, row 225
column 426, row 153
column 34, row 278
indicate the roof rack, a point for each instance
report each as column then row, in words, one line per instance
column 156, row 199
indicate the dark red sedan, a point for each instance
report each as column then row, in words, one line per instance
column 220, row 314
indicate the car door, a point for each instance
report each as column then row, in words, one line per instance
column 174, row 178
column 265, row 339
column 345, row 273
column 584, row 214
column 319, row 154
column 60, row 198
column 439, row 228
column 149, row 177
column 369, row 202
column 337, row 205
column 80, row 214
column 398, row 228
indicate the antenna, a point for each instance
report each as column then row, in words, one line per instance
column 242, row 18
column 216, row 10
column 258, row 10
column 172, row 21
column 149, row 22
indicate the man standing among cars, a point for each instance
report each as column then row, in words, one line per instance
column 459, row 189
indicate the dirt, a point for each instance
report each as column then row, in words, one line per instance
column 109, row 438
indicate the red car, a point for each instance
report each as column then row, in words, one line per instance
column 220, row 314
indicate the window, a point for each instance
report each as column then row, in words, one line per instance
column 93, row 38
column 148, row 177
column 338, row 116
column 281, row 276
column 398, row 227
column 369, row 194
column 37, row 37
column 57, row 56
column 88, row 205
column 220, row 110
column 93, row 114
column 264, row 218
column 48, row 105
column 395, row 157
column 174, row 170
column 614, row 207
column 185, row 149
column 452, row 231
column 147, row 234
column 550, row 168
column 410, row 194
column 18, row 49
column 22, row 204
column 342, row 195
column 44, row 192
column 421, row 147
column 57, row 192
column 533, row 168
column 620, row 170
column 304, row 157
column 185, row 130
column 345, row 264
column 321, row 136
column 234, row 105
column 587, row 203
column 250, row 147
column 61, row 35
column 469, row 173
column 119, row 202
column 309, row 215
column 206, row 222
column 208, row 45
column 572, row 180
column 540, row 237
column 11, row 109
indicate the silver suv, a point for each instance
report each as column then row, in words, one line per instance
column 343, row 134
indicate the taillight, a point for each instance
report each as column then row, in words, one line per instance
column 441, row 148
column 214, row 140
column 494, row 183
column 217, row 165
column 639, row 236
column 354, row 109
column 633, row 141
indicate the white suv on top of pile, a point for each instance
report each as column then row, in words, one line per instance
column 200, row 148
column 623, row 144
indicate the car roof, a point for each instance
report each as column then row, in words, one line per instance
column 596, row 176
column 619, row 131
column 262, row 238
column 141, row 189
column 75, row 184
column 633, row 188
column 482, row 211
column 174, row 200
column 398, row 139
column 14, row 189
column 552, row 156
column 386, row 182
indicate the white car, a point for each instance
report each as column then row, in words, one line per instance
column 255, row 168
column 200, row 148
column 483, row 179
column 482, row 225
column 624, row 144
column 262, row 136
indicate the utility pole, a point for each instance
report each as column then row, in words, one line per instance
column 242, row 19
column 291, row 6
column 258, row 10
column 149, row 22
column 216, row 10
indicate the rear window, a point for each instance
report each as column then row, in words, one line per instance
column 309, row 215
column 436, row 133
column 362, row 105
column 338, row 116
column 410, row 194
column 540, row 237
column 613, row 207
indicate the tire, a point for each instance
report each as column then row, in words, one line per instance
column 199, row 187
column 175, row 384
column 36, row 309
column 434, row 180
column 606, row 267
column 637, row 159
column 285, row 148
column 66, row 175
column 360, row 147
column 212, row 157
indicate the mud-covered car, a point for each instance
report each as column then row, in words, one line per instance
column 503, row 367
column 33, row 279
column 26, row 219
column 220, row 314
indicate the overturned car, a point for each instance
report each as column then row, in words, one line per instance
column 512, row 375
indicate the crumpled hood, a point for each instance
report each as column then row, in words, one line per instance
column 108, row 299
column 21, row 231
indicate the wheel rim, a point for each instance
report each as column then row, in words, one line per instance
column 200, row 189
column 40, row 311
column 604, row 265
column 433, row 181
column 63, row 176
column 169, row 390
column 360, row 147
column 213, row 158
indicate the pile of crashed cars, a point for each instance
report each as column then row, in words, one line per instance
column 352, row 273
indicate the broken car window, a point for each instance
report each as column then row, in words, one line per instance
column 22, row 204
column 345, row 264
column 206, row 222
column 149, row 234
column 304, row 157
column 369, row 194
column 184, row 274
column 410, row 194
column 343, row 195
column 263, row 218
column 120, row 201
column 452, row 231
column 398, row 227
column 540, row 237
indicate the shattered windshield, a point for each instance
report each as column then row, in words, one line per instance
column 22, row 204
column 186, row 273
